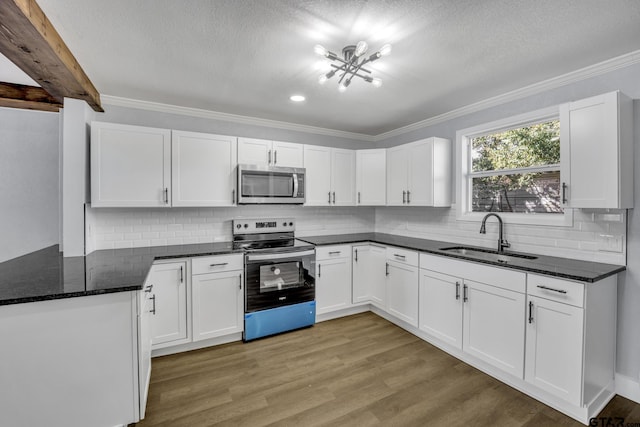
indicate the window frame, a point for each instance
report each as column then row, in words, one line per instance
column 464, row 176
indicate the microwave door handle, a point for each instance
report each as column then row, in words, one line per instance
column 295, row 185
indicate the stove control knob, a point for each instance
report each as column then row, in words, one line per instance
column 239, row 226
column 246, row 226
column 291, row 224
column 284, row 224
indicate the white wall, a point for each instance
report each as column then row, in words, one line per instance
column 29, row 181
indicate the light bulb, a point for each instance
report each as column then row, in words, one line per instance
column 376, row 82
column 385, row 50
column 361, row 48
column 322, row 79
column 320, row 50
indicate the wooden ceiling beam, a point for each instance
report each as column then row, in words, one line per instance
column 28, row 39
column 27, row 97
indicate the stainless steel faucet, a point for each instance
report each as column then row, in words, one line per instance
column 501, row 242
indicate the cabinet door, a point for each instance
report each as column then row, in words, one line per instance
column 402, row 291
column 371, row 177
column 217, row 304
column 343, row 177
column 369, row 275
column 288, row 154
column 591, row 140
column 554, row 348
column 254, row 151
column 333, row 285
column 130, row 166
column 203, row 169
column 396, row 176
column 494, row 326
column 441, row 306
column 420, row 173
column 170, row 289
column 145, row 303
column 318, row 175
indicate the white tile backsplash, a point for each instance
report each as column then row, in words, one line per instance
column 136, row 227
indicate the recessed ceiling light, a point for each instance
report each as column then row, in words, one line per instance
column 297, row 98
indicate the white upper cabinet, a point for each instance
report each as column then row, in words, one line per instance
column 330, row 176
column 203, row 169
column 270, row 153
column 419, row 173
column 130, row 166
column 371, row 177
column 596, row 143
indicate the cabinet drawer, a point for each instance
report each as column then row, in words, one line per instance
column 402, row 255
column 563, row 291
column 331, row 252
column 210, row 264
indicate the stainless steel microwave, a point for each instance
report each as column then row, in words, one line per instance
column 270, row 185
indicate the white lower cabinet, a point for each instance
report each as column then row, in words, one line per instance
column 217, row 301
column 333, row 278
column 476, row 308
column 402, row 284
column 169, row 325
column 145, row 306
column 554, row 348
column 441, row 306
column 369, row 284
column 493, row 328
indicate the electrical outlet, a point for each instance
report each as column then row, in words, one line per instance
column 610, row 242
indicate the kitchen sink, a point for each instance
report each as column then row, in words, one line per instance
column 487, row 254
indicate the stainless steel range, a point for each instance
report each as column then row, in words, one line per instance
column 279, row 277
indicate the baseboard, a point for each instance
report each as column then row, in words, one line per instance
column 628, row 387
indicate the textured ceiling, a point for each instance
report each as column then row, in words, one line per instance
column 247, row 57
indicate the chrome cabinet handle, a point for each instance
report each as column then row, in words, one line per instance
column 457, row 290
column 408, row 196
column 546, row 288
column 153, row 309
column 530, row 311
column 359, row 197
column 356, row 252
column 240, row 281
column 402, row 257
column 233, row 196
column 148, row 288
column 564, row 192
column 386, row 269
column 181, row 274
column 218, row 264
column 335, row 252
column 275, row 157
column 329, row 197
column 166, row 196
column 319, row 270
column 269, row 161
column 465, row 297
column 334, row 197
column 404, row 196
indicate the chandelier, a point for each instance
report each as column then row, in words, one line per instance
column 351, row 64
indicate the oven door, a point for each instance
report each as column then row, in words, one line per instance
column 270, row 185
column 279, row 279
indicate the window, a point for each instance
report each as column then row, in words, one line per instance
column 512, row 166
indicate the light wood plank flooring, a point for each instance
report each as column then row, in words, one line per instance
column 355, row 371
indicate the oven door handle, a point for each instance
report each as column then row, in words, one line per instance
column 281, row 255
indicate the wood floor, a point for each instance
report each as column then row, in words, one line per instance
column 355, row 371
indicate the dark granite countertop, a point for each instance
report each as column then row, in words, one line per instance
column 46, row 274
column 566, row 268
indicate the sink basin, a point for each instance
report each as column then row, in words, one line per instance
column 487, row 254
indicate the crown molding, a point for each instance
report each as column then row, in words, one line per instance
column 235, row 118
column 533, row 89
